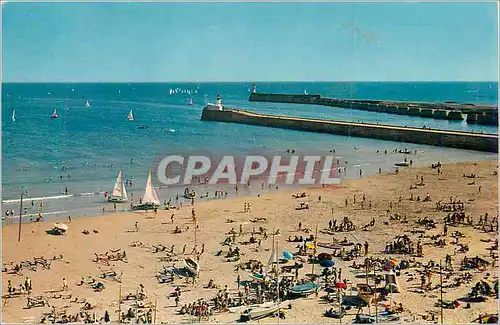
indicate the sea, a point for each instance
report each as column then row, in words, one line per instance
column 85, row 148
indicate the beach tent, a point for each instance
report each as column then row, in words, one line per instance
column 391, row 282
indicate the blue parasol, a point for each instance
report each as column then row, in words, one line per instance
column 288, row 255
column 326, row 263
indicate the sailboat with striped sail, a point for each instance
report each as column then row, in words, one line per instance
column 54, row 114
column 150, row 199
column 119, row 194
column 130, row 116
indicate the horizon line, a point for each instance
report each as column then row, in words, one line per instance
column 250, row 81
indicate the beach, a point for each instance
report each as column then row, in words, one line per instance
column 378, row 198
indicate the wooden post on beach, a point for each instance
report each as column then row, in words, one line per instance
column 120, row 304
column 314, row 256
column 441, row 289
column 20, row 218
column 154, row 315
column 375, row 290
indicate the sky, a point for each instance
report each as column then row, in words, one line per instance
column 148, row 42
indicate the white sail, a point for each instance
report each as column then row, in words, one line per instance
column 150, row 195
column 272, row 259
column 87, row 104
column 119, row 191
column 130, row 116
column 13, row 115
column 54, row 114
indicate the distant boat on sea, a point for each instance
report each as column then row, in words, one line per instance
column 190, row 101
column 13, row 115
column 54, row 114
column 305, row 91
column 87, row 104
column 130, row 116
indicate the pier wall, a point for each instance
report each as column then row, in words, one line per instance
column 284, row 98
column 454, row 111
column 461, row 140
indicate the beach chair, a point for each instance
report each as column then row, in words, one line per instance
column 38, row 301
column 111, row 274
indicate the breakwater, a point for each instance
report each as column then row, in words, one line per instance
column 487, row 115
column 453, row 139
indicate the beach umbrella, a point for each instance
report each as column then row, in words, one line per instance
column 391, row 263
column 310, row 245
column 341, row 285
column 326, row 263
column 324, row 256
column 287, row 255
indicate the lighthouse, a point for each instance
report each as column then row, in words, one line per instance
column 219, row 102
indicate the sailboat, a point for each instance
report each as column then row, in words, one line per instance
column 273, row 259
column 190, row 101
column 54, row 114
column 13, row 115
column 254, row 312
column 87, row 104
column 150, row 199
column 119, row 194
column 130, row 116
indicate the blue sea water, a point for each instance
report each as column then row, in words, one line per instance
column 92, row 145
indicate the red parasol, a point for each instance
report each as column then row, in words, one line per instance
column 341, row 285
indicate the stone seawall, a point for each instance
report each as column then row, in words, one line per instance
column 454, row 111
column 453, row 139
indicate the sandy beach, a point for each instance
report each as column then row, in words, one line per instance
column 377, row 198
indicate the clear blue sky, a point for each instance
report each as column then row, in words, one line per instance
column 88, row 42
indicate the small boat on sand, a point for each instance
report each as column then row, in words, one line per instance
column 402, row 164
column 191, row 266
column 258, row 277
column 262, row 311
column 329, row 245
column 304, row 289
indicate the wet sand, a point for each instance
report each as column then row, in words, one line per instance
column 117, row 231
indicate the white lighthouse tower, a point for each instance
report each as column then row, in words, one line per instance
column 219, row 102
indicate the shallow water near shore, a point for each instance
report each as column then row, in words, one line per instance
column 92, row 144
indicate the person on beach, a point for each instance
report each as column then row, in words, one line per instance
column 136, row 226
column 64, row 284
column 9, row 287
